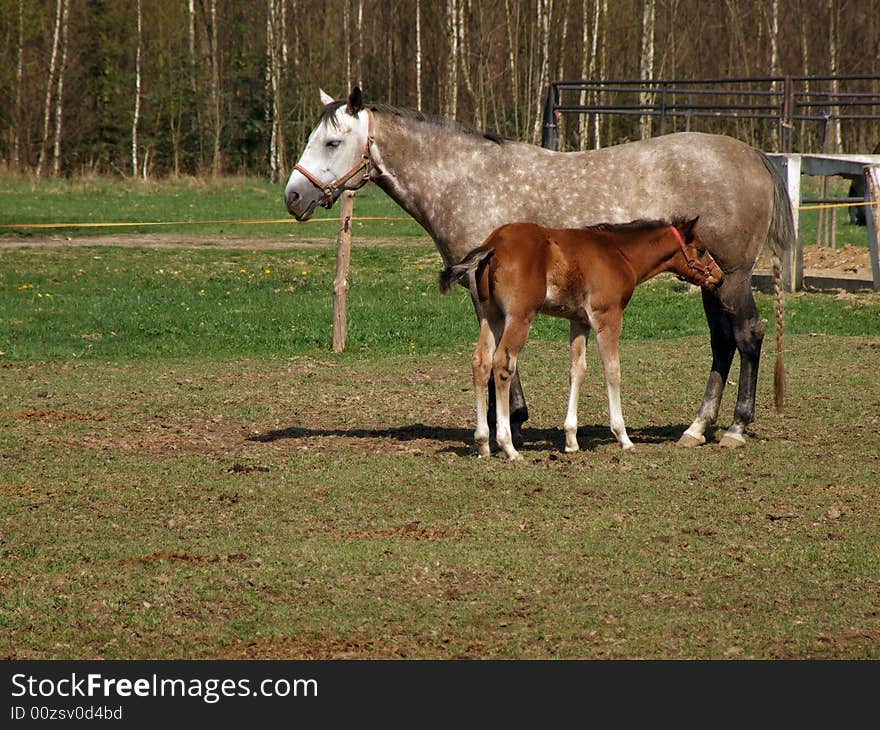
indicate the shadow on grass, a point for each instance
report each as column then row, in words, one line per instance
column 460, row 440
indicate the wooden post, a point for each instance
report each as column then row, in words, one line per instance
column 343, row 264
column 793, row 261
column 872, row 218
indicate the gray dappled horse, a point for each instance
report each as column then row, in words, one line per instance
column 460, row 184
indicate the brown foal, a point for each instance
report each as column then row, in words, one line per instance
column 586, row 275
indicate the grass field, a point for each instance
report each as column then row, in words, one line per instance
column 186, row 470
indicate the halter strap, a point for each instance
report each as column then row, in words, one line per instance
column 704, row 271
column 365, row 164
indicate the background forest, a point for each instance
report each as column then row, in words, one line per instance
column 157, row 87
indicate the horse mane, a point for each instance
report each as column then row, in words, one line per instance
column 640, row 224
column 328, row 116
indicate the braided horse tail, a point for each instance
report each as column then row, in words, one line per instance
column 781, row 237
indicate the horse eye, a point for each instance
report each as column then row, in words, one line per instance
column 333, row 142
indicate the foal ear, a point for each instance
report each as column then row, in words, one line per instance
column 355, row 101
column 325, row 97
column 687, row 228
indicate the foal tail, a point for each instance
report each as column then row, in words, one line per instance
column 782, row 238
column 475, row 260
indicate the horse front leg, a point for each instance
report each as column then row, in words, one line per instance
column 516, row 332
column 723, row 347
column 608, row 341
column 578, row 333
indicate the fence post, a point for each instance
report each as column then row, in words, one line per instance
column 343, row 264
column 872, row 218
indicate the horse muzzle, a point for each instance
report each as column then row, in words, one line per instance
column 301, row 201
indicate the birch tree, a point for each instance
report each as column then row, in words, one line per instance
column 452, row 20
column 834, row 65
column 418, row 55
column 646, row 65
column 215, row 91
column 59, row 94
column 543, row 16
column 19, row 75
column 50, row 85
column 274, row 57
column 137, row 93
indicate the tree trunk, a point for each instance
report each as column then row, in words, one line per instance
column 50, row 84
column 601, row 15
column 544, row 13
column 834, row 62
column 59, row 95
column 452, row 59
column 360, row 37
column 512, row 45
column 19, row 72
column 346, row 39
column 418, row 55
column 646, row 65
column 215, row 91
column 137, row 93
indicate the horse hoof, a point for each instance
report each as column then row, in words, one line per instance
column 572, row 449
column 732, row 441
column 688, row 441
column 628, row 447
column 515, row 456
column 483, row 450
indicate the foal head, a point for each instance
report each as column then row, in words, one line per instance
column 698, row 266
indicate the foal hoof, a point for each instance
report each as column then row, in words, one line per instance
column 732, row 441
column 688, row 441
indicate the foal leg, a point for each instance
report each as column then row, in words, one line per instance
column 516, row 331
column 748, row 332
column 608, row 340
column 723, row 347
column 482, row 371
column 578, row 333
column 519, row 410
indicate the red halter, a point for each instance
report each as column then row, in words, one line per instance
column 704, row 271
column 365, row 164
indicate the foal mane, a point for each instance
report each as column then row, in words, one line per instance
column 328, row 116
column 636, row 226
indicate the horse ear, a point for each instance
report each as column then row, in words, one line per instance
column 355, row 101
column 687, row 228
column 325, row 97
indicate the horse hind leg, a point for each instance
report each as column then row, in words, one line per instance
column 578, row 342
column 482, row 374
column 748, row 331
column 519, row 410
column 723, row 347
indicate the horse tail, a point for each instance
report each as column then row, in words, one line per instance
column 782, row 239
column 476, row 259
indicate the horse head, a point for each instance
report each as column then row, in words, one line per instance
column 702, row 269
column 337, row 150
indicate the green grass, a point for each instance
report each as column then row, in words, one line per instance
column 186, row 470
column 100, row 200
column 133, row 303
column 324, row 508
column 111, row 200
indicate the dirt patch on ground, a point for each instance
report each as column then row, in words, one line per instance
column 844, row 258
